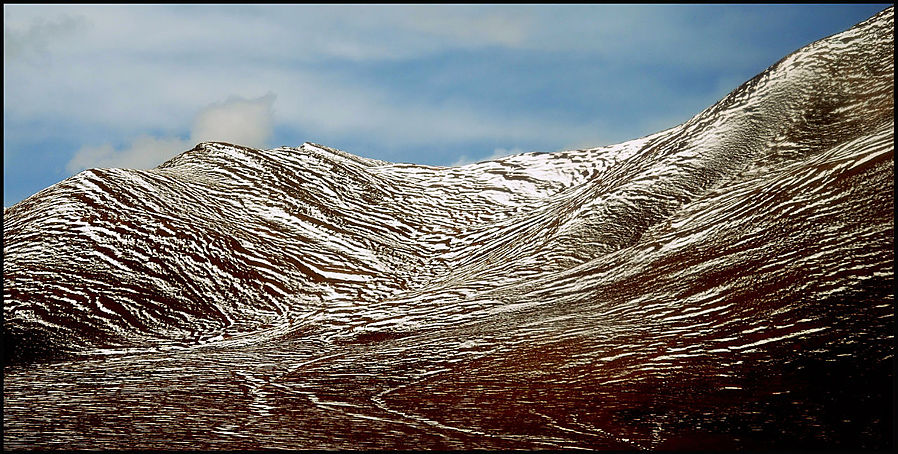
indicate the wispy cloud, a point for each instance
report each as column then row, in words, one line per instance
column 147, row 68
column 241, row 121
column 32, row 41
column 412, row 83
column 473, row 26
column 139, row 68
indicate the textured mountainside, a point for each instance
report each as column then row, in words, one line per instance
column 727, row 281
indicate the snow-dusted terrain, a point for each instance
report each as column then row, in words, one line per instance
column 726, row 283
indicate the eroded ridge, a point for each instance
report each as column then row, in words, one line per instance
column 727, row 281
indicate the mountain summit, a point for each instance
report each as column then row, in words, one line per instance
column 728, row 282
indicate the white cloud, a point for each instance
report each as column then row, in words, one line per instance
column 299, row 32
column 237, row 120
column 144, row 152
column 147, row 67
column 123, row 70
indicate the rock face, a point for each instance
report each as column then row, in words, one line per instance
column 726, row 283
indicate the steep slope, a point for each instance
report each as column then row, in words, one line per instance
column 727, row 281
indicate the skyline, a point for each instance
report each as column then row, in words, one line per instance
column 133, row 85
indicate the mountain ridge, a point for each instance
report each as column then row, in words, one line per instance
column 640, row 281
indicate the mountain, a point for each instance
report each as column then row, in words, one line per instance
column 726, row 283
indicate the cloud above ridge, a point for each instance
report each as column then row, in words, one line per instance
column 247, row 122
column 130, row 85
column 130, row 69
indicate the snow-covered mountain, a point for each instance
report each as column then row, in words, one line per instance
column 728, row 282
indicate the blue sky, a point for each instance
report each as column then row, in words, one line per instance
column 133, row 85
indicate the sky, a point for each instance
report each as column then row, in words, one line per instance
column 131, row 86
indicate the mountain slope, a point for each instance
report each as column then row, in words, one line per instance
column 729, row 280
